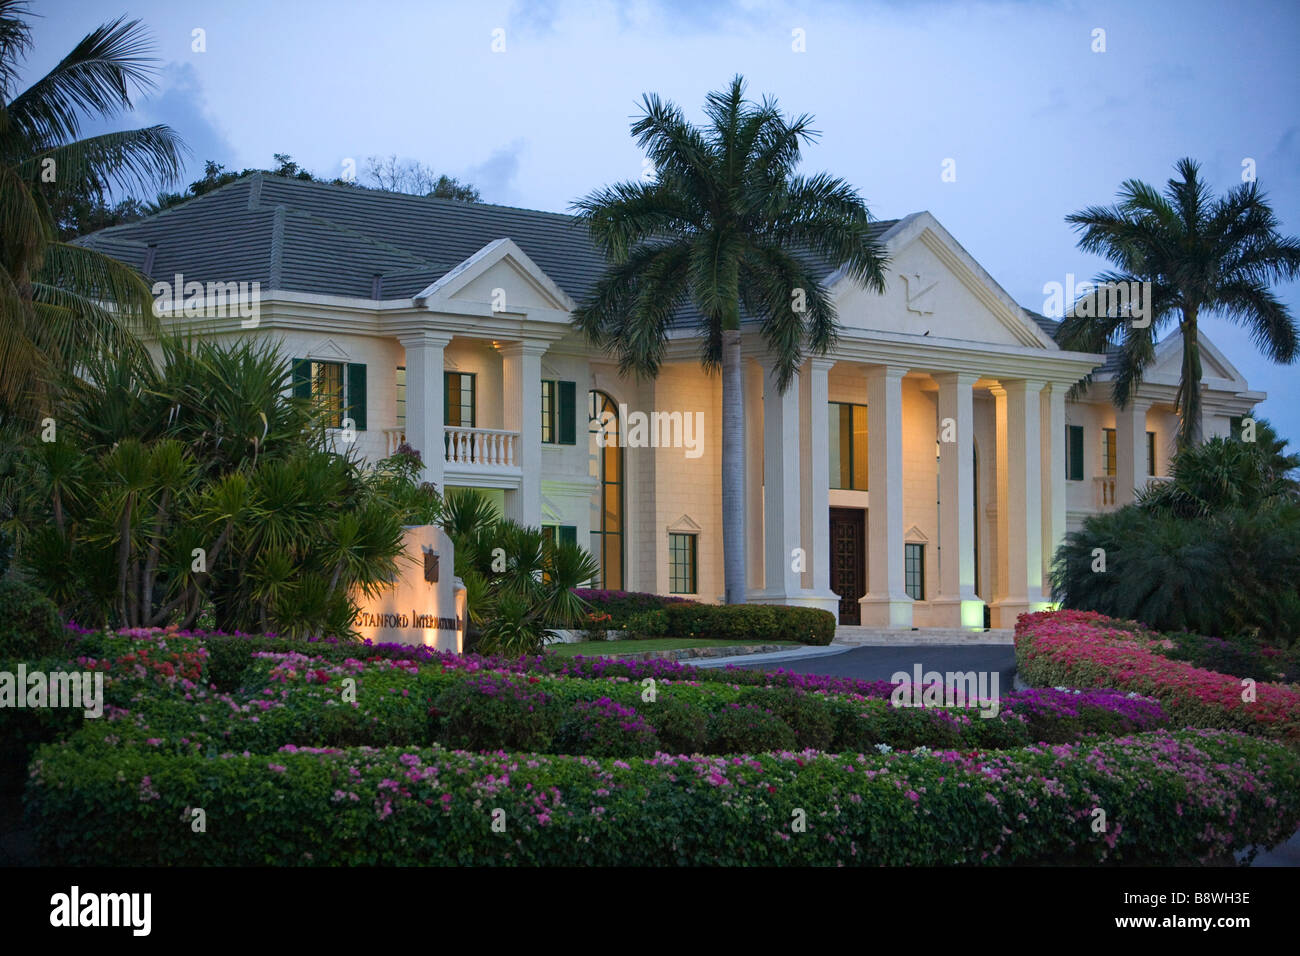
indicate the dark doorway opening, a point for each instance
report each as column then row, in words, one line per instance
column 848, row 561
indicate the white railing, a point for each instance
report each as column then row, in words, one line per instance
column 1104, row 491
column 480, row 447
column 394, row 437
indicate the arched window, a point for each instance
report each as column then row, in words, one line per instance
column 606, row 464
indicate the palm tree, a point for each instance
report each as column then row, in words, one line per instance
column 1203, row 256
column 724, row 226
column 60, row 302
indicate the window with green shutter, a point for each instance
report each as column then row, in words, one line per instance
column 567, row 410
column 1151, row 453
column 301, row 378
column 1074, row 452
column 559, row 412
column 337, row 389
column 548, row 412
column 357, row 395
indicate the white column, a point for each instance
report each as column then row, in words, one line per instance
column 957, row 604
column 1054, row 487
column 886, row 603
column 781, row 532
column 424, row 393
column 1003, row 530
column 1130, row 451
column 815, row 482
column 1023, row 518
column 521, row 384
column 752, row 379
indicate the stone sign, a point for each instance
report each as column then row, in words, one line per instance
column 425, row 603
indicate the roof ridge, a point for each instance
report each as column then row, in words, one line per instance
column 454, row 203
column 161, row 213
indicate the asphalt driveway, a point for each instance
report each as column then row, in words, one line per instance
column 881, row 663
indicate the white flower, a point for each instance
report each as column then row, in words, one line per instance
column 884, row 748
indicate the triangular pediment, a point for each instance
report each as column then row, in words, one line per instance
column 915, row 535
column 935, row 289
column 684, row 525
column 1216, row 370
column 502, row 279
column 327, row 350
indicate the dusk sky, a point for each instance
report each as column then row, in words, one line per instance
column 1037, row 123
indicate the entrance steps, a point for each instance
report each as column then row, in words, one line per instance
column 850, row 635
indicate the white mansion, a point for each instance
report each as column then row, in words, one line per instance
column 446, row 325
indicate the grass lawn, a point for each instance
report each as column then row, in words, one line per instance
column 619, row 648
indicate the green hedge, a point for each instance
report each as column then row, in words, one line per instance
column 30, row 625
column 751, row 622
column 1193, row 796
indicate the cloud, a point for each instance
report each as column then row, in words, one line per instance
column 534, row 16
column 180, row 103
column 495, row 176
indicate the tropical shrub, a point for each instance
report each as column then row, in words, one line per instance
column 200, row 482
column 622, row 606
column 1174, row 798
column 495, row 712
column 1241, row 656
column 807, row 715
column 519, row 582
column 1083, row 649
column 1215, row 550
column 30, row 626
column 647, row 624
column 748, row 728
column 751, row 622
column 605, row 728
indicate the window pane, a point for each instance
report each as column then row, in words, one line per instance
column 327, row 390
column 834, row 446
column 1151, row 453
column 548, row 411
column 614, row 562
column 860, row 447
column 467, row 400
column 914, row 571
column 451, row 414
column 681, row 563
column 401, row 397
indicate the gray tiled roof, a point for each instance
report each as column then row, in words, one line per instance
column 1051, row 326
column 300, row 236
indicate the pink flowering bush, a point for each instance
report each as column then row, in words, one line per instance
column 1087, row 649
column 1172, row 798
column 362, row 755
column 605, row 728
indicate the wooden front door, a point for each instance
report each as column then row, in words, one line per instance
column 849, row 561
